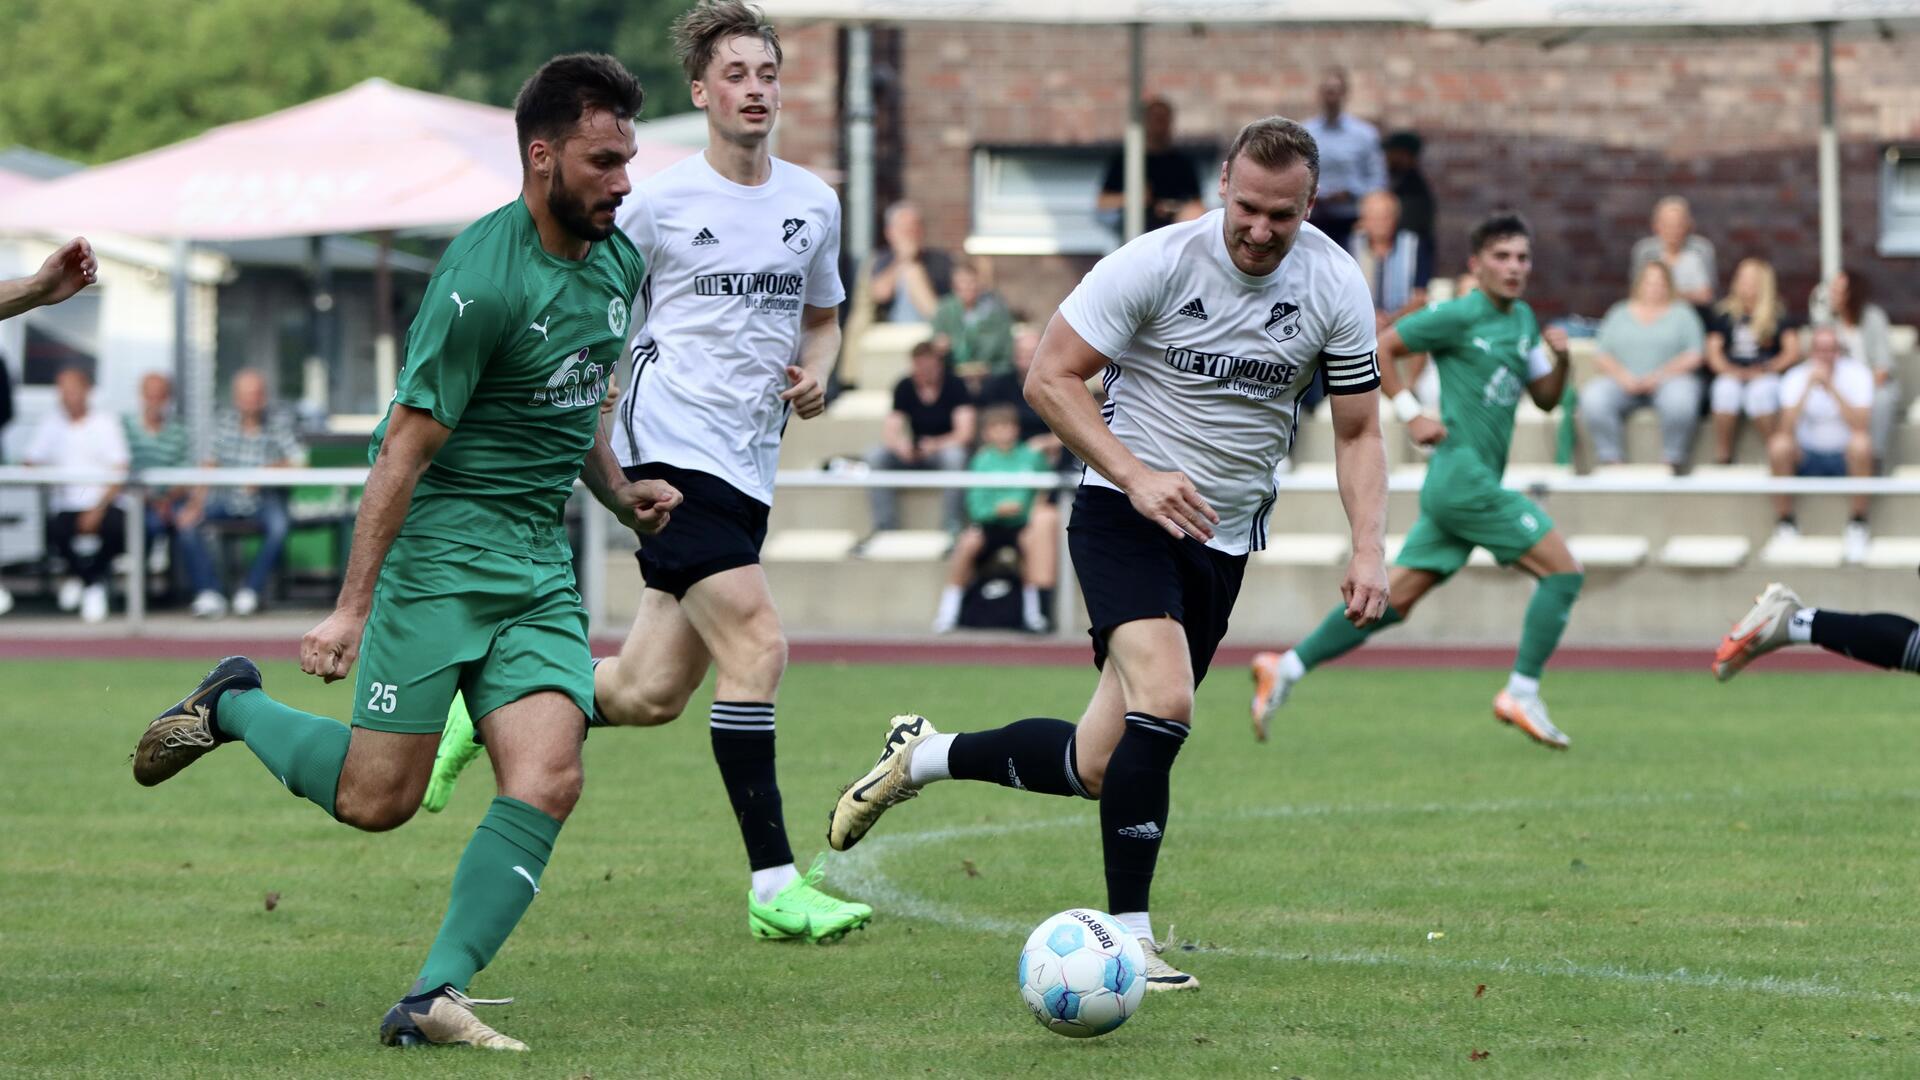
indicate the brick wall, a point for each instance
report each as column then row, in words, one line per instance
column 1582, row 138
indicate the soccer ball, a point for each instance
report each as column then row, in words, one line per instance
column 1082, row 974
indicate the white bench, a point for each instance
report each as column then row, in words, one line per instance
column 1602, row 552
column 809, row 545
column 1817, row 552
column 907, row 545
column 1705, row 552
column 1303, row 549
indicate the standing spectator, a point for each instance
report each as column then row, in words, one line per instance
column 1351, row 163
column 930, row 427
column 973, row 327
column 1173, row 184
column 1409, row 184
column 247, row 436
column 1751, row 339
column 1001, row 517
column 1826, row 407
column 156, row 439
column 1866, row 335
column 1688, row 255
column 1649, row 350
column 1396, row 263
column 909, row 279
column 87, row 529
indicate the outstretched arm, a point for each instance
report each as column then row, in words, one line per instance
column 65, row 272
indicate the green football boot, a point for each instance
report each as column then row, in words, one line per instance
column 802, row 911
column 457, row 751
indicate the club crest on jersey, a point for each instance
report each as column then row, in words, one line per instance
column 576, row 384
column 1283, row 322
column 797, row 234
column 617, row 315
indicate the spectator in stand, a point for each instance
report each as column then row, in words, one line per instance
column 87, row 529
column 1351, row 162
column 999, row 518
column 249, row 435
column 1409, row 184
column 1826, row 406
column 973, row 327
column 1688, row 255
column 1649, row 350
column 909, row 279
column 1009, row 388
column 1751, row 339
column 1173, row 184
column 1866, row 335
column 156, row 439
column 931, row 427
column 1397, row 265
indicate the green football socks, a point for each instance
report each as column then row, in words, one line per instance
column 1546, row 620
column 497, row 878
column 1335, row 636
column 305, row 752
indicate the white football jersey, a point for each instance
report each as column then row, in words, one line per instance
column 729, row 269
column 1208, row 363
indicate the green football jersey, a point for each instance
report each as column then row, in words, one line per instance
column 511, row 351
column 1483, row 356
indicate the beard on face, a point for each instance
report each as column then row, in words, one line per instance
column 573, row 213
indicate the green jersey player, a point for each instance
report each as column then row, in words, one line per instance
column 1488, row 350
column 461, row 576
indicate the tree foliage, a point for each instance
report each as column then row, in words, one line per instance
column 495, row 45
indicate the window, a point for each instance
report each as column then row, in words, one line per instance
column 1039, row 200
column 1900, row 201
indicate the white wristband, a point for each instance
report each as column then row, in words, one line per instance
column 1406, row 406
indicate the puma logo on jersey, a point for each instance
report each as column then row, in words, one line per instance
column 461, row 304
column 575, row 385
column 1194, row 309
column 1483, row 344
column 541, row 326
column 522, row 871
column 705, row 237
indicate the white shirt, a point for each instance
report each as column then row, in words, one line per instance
column 1208, row 363
column 95, row 441
column 729, row 269
column 1822, row 428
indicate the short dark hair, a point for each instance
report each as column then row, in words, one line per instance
column 697, row 34
column 1003, row 413
column 924, row 348
column 567, row 88
column 1276, row 142
column 1495, row 227
column 1403, row 140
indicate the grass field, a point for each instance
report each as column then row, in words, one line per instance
column 1716, row 881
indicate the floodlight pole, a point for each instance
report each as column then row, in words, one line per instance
column 1136, row 146
column 1829, row 161
column 860, row 216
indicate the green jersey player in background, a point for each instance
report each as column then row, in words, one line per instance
column 1488, row 350
column 461, row 576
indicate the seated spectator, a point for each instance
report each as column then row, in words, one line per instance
column 1009, row 388
column 247, row 436
column 1396, row 264
column 1173, row 184
column 973, row 327
column 87, row 529
column 1865, row 332
column 1000, row 518
column 1825, row 408
column 1649, row 349
column 909, row 279
column 1687, row 255
column 1751, row 339
column 156, row 439
column 930, row 427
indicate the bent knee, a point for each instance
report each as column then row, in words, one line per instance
column 641, row 706
column 376, row 813
column 554, row 791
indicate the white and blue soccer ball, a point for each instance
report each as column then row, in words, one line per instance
column 1082, row 974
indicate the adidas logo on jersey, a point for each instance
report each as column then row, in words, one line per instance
column 1146, row 831
column 705, row 237
column 1195, row 310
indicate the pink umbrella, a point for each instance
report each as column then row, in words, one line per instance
column 372, row 157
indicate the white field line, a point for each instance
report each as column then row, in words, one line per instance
column 861, row 872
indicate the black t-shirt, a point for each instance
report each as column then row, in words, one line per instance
column 1006, row 388
column 1416, row 205
column 1743, row 346
column 927, row 421
column 1170, row 175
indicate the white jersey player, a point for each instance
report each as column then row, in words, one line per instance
column 739, row 333
column 1208, row 332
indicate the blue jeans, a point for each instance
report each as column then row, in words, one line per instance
column 197, row 553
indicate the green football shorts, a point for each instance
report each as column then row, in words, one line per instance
column 448, row 616
column 1463, row 506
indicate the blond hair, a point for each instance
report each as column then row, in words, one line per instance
column 1765, row 314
